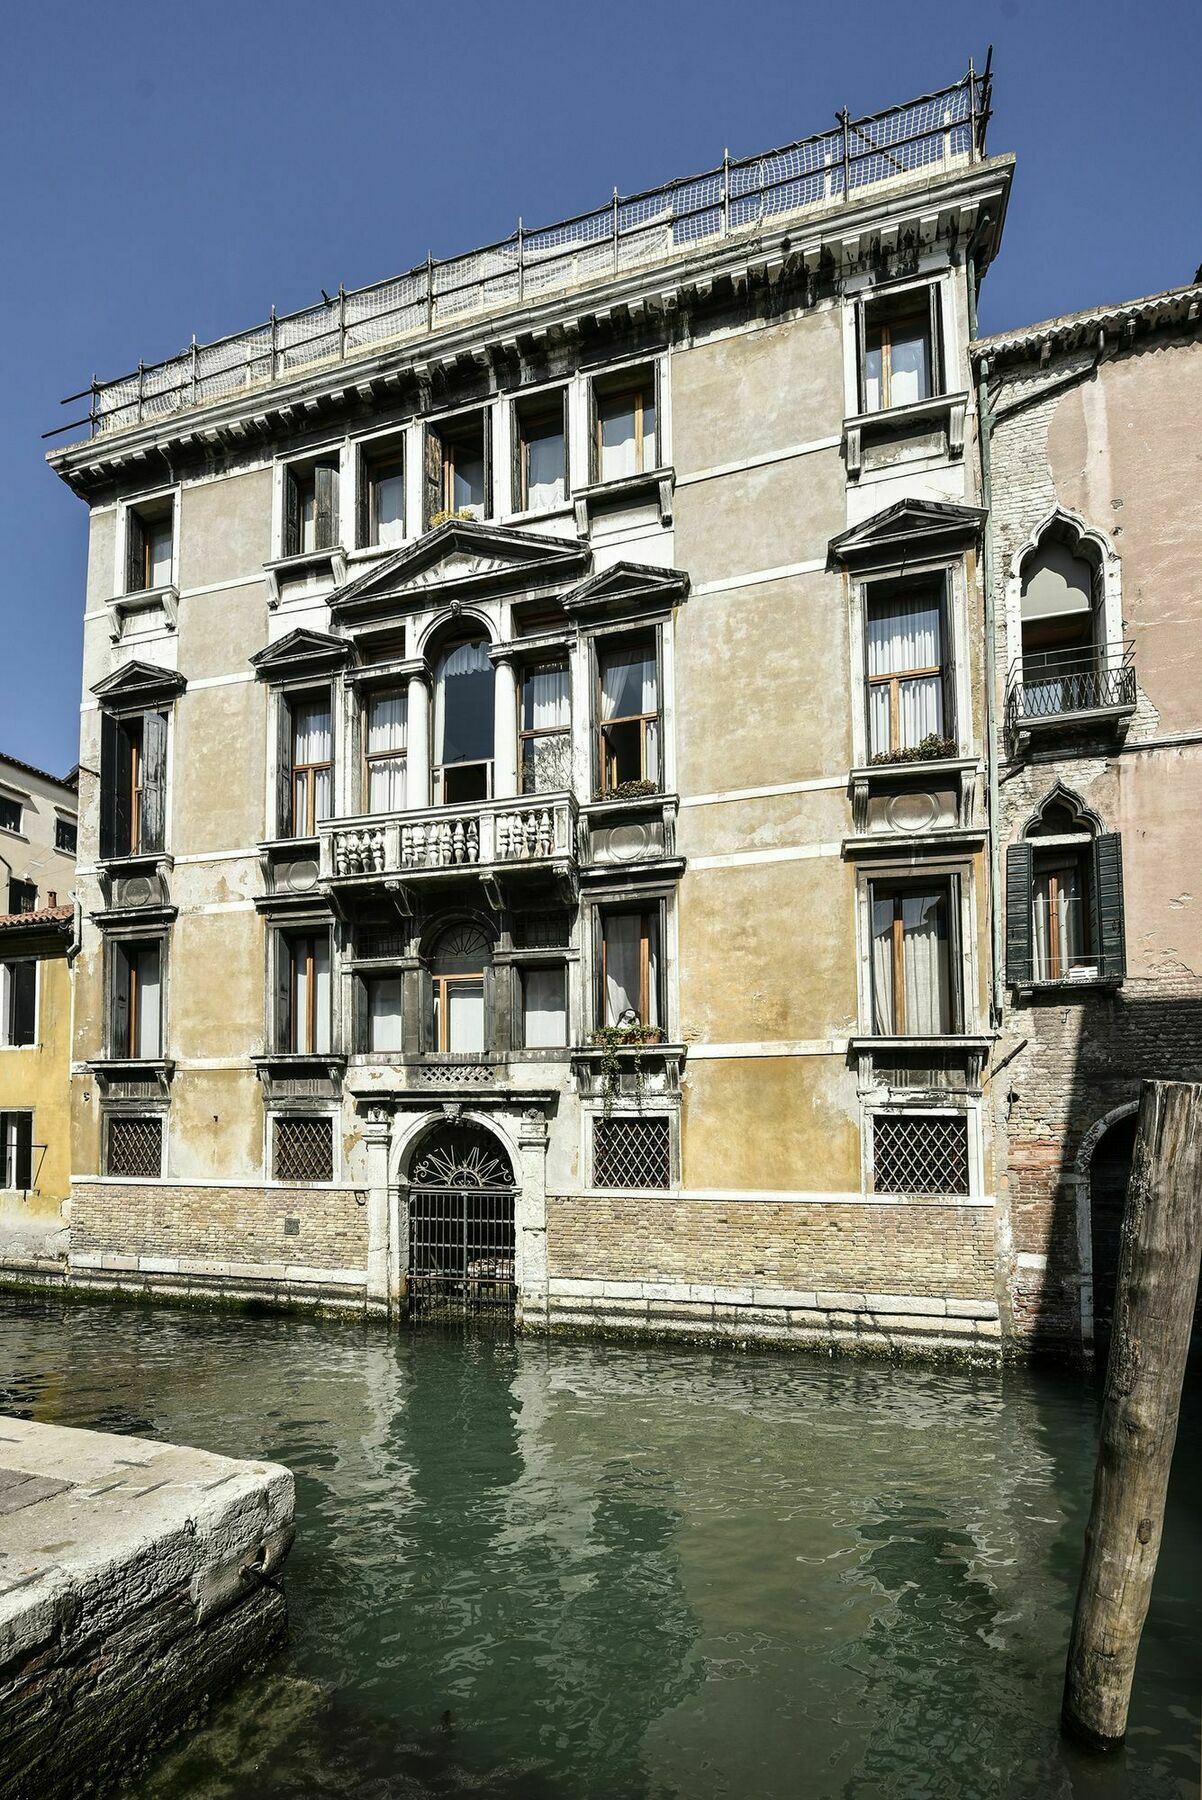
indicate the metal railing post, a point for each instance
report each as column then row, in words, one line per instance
column 615, row 230
column 429, row 290
column 195, row 371
column 845, row 118
column 141, row 390
column 274, row 350
column 521, row 263
column 972, row 112
column 726, row 192
column 341, row 322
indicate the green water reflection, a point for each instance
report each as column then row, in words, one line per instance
column 576, row 1571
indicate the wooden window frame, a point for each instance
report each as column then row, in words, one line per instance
column 449, row 445
column 638, row 392
column 522, row 971
column 370, row 758
column 530, row 411
column 884, row 595
column 8, row 800
column 531, row 733
column 124, row 987
column 308, row 771
column 651, row 917
column 948, row 886
column 440, row 992
column 384, row 467
column 921, row 303
column 295, row 942
column 23, row 1148
column 1046, row 879
column 605, row 757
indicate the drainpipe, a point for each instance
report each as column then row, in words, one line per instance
column 984, row 429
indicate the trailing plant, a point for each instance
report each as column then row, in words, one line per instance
column 932, row 749
column 609, row 1039
column 627, row 790
column 441, row 517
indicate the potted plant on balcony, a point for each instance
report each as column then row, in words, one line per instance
column 628, row 1034
column 627, row 790
column 933, row 748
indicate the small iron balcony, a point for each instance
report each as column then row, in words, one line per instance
column 1049, row 689
column 438, row 841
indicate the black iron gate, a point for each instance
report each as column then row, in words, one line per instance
column 461, row 1226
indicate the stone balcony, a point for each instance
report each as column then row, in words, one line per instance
column 434, row 843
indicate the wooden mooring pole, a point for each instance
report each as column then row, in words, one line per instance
column 1159, row 1256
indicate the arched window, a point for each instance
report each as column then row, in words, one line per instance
column 460, row 976
column 463, row 722
column 1064, row 899
column 1063, row 632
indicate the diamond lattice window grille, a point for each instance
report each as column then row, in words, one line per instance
column 135, row 1147
column 631, row 1153
column 304, row 1150
column 920, row 1156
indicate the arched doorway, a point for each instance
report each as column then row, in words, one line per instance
column 1109, row 1169
column 461, row 1223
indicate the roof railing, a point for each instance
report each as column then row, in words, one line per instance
column 933, row 132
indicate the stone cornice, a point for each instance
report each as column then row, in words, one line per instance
column 1175, row 307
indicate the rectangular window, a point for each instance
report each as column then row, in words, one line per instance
column 632, row 1153
column 10, row 813
column 382, row 497
column 306, row 973
column 457, row 467
column 545, row 1007
column 16, row 1151
column 1060, row 904
column 149, row 547
column 629, row 728
column 134, row 1147
column 629, row 972
column 312, row 763
column 303, row 1150
column 459, row 1014
column 137, row 1001
column 66, row 836
column 133, row 784
column 626, row 440
column 18, row 1003
column 912, row 987
column 546, row 729
column 899, row 350
column 22, row 896
column 384, row 749
column 920, row 1156
column 909, row 674
column 383, row 1012
column 542, row 452
column 310, row 507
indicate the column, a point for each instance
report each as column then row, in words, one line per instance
column 377, row 1138
column 505, row 730
column 417, row 743
column 531, row 1217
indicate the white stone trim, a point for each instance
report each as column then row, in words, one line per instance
column 760, row 462
column 817, row 784
column 737, row 859
column 785, row 1047
column 730, row 582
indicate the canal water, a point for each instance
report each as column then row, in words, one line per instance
column 590, row 1571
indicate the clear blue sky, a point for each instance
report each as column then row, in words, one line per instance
column 171, row 169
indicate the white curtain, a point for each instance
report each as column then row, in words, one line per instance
column 909, row 365
column 619, row 454
column 544, row 471
column 386, row 716
column 544, row 1002
column 545, row 699
column 623, row 968
column 312, row 743
column 159, row 536
column 465, row 1020
column 384, row 1013
column 628, row 683
column 389, row 502
column 468, row 482
column 316, row 1043
column 149, row 1002
column 924, row 967
column 1059, row 922
column 905, row 635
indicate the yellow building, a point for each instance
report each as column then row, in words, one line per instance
column 35, row 1060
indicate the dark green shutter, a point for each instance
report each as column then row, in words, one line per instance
column 365, row 532
column 486, row 434
column 109, row 756
column 123, row 794
column 24, row 1002
column 119, row 979
column 1108, row 906
column 281, row 1025
column 135, row 553
column 936, row 341
column 861, row 341
column 594, row 434
column 325, row 506
column 153, row 833
column 948, row 648
column 1019, row 934
column 518, row 497
column 283, row 767
column 567, row 449
column 432, row 473
column 292, row 520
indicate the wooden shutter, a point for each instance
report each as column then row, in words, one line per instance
column 292, row 518
column 567, row 446
column 1110, row 935
column 363, row 521
column 861, row 340
column 153, row 833
column 486, row 434
column 283, row 767
column 325, row 506
column 657, row 401
column 119, row 983
column 24, row 978
column 432, row 472
column 110, row 745
column 594, row 434
column 937, row 382
column 23, row 1163
column 135, row 553
column 1020, row 949
column 123, row 793
column 948, row 649
column 281, row 1005
column 518, row 497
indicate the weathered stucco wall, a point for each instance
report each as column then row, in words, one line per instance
column 36, row 1076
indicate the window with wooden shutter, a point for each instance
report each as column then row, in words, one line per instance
column 152, row 810
column 18, row 1003
column 135, row 553
column 16, row 1150
column 1019, row 944
column 292, row 512
column 1110, row 937
column 109, row 750
column 325, row 506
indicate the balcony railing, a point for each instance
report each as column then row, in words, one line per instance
column 1059, row 685
column 446, row 839
column 924, row 137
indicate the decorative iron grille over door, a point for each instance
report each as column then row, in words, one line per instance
column 461, row 1225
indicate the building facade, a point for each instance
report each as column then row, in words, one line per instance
column 37, row 873
column 1097, row 599
column 533, row 775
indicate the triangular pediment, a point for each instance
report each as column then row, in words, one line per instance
column 630, row 587
column 909, row 525
column 139, row 683
column 463, row 557
column 301, row 652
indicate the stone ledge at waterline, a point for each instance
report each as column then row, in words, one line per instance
column 136, row 1583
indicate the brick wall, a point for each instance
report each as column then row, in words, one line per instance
column 905, row 1249
column 243, row 1225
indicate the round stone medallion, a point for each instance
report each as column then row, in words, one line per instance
column 912, row 812
column 628, row 842
column 302, row 876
